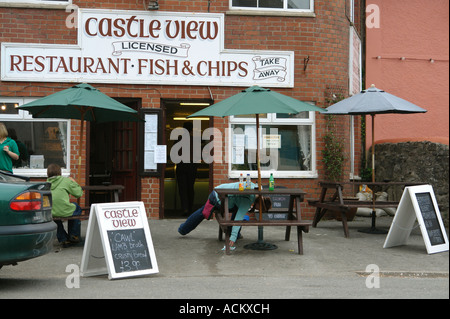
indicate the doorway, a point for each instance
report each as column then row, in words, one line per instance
column 176, row 112
column 113, row 156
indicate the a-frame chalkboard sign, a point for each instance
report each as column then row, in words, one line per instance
column 418, row 202
column 118, row 242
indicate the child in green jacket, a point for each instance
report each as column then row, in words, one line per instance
column 61, row 188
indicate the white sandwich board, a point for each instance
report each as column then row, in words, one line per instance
column 418, row 202
column 118, row 242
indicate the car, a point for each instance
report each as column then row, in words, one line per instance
column 27, row 229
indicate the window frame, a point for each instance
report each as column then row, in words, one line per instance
column 57, row 4
column 273, row 120
column 284, row 9
column 25, row 116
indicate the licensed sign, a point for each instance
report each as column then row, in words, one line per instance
column 173, row 48
column 118, row 242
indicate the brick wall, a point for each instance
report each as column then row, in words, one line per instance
column 324, row 39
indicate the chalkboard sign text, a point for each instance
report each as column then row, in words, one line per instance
column 429, row 218
column 129, row 250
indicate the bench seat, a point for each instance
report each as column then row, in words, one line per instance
column 225, row 227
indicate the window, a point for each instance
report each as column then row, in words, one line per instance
column 36, row 3
column 278, row 5
column 40, row 141
column 287, row 145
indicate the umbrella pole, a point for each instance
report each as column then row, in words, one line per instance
column 260, row 244
column 258, row 165
column 373, row 229
column 373, row 148
column 83, row 112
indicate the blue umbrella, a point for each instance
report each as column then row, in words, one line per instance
column 370, row 102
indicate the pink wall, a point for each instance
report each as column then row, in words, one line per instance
column 419, row 31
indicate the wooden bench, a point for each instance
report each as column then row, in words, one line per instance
column 337, row 202
column 293, row 217
column 343, row 208
column 84, row 215
column 226, row 225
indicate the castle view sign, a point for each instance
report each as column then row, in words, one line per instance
column 141, row 47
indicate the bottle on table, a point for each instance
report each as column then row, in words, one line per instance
column 241, row 182
column 271, row 182
column 248, row 182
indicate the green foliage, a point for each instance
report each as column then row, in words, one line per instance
column 333, row 154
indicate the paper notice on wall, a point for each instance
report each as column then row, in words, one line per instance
column 149, row 160
column 238, row 155
column 250, row 134
column 151, row 123
column 272, row 141
column 160, row 153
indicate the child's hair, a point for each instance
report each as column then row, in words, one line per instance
column 53, row 170
column 266, row 201
column 3, row 130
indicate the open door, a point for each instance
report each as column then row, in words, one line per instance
column 124, row 162
column 113, row 157
column 175, row 117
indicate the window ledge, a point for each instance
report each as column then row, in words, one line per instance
column 34, row 5
column 271, row 13
column 37, row 173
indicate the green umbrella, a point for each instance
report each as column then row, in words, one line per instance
column 81, row 102
column 257, row 100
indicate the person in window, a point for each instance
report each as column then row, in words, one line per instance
column 61, row 188
column 239, row 204
column 8, row 150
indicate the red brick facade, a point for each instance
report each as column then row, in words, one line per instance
column 323, row 38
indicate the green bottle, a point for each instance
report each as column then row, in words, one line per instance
column 271, row 183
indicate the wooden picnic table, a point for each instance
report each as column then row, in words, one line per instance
column 339, row 204
column 296, row 196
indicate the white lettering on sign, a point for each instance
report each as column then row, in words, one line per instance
column 134, row 47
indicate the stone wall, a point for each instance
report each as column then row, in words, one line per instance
column 415, row 162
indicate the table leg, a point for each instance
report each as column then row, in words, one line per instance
column 319, row 211
column 227, row 242
column 344, row 224
column 220, row 233
column 300, row 240
column 287, row 236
